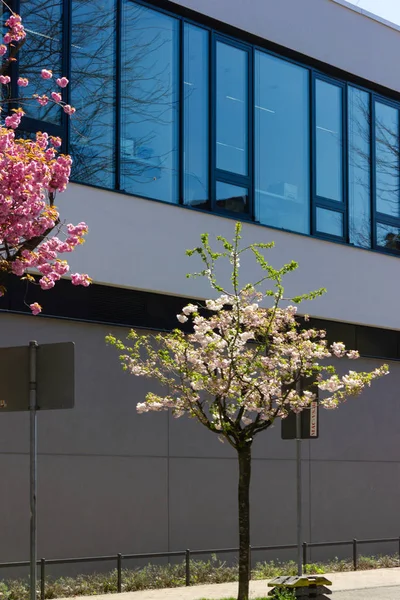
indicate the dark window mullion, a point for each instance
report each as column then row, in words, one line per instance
column 212, row 135
column 118, row 89
column 345, row 163
column 66, row 33
column 33, row 125
column 387, row 219
column 330, row 205
column 373, row 171
column 234, row 178
column 313, row 155
column 181, row 115
column 251, row 133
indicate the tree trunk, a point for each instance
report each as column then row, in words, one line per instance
column 244, row 456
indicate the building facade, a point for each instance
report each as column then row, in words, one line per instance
column 191, row 115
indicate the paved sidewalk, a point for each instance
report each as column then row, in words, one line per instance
column 358, row 585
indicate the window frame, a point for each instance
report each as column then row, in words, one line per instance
column 246, row 181
column 320, row 201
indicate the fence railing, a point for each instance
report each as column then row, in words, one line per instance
column 189, row 554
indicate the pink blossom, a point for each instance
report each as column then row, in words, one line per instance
column 4, row 79
column 43, row 100
column 56, row 97
column 14, row 120
column 35, row 308
column 56, row 141
column 81, row 279
column 69, row 109
column 3, row 49
column 22, row 81
column 46, row 74
column 62, row 82
column 46, row 282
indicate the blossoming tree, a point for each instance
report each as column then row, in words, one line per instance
column 31, row 173
column 237, row 372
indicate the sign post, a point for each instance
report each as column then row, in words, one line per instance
column 300, row 426
column 29, row 375
column 33, row 467
column 299, row 497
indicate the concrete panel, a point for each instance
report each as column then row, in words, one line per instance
column 203, row 503
column 354, row 500
column 104, row 420
column 286, row 21
column 87, row 506
column 157, row 262
column 15, row 511
column 364, row 428
column 101, row 505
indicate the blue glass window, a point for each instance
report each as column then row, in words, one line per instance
column 93, row 92
column 359, row 168
column 282, row 148
column 149, row 103
column 232, row 109
column 329, row 142
column 233, row 198
column 195, row 110
column 41, row 50
column 387, row 159
column 329, row 222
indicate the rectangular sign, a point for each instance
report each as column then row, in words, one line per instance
column 55, row 376
column 308, row 420
column 314, row 419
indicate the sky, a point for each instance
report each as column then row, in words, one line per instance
column 388, row 9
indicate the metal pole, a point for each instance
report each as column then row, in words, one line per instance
column 299, row 483
column 33, row 466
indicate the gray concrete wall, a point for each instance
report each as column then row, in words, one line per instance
column 363, row 286
column 111, row 480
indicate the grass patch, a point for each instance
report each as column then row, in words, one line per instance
column 170, row 576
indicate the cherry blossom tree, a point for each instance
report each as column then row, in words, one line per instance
column 31, row 173
column 242, row 365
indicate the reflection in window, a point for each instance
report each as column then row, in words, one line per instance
column 282, row 195
column 232, row 107
column 359, row 168
column 388, row 236
column 195, row 116
column 329, row 140
column 232, row 197
column 387, row 159
column 41, row 50
column 329, row 222
column 149, row 103
column 93, row 91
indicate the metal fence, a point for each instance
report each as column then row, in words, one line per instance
column 189, row 554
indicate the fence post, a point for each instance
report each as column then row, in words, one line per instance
column 119, row 573
column 42, row 578
column 355, row 554
column 249, row 562
column 187, row 564
column 305, row 557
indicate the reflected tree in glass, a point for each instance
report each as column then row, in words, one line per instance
column 42, row 49
column 93, row 88
column 359, row 168
column 149, row 103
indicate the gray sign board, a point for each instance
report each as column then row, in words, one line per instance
column 55, row 376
